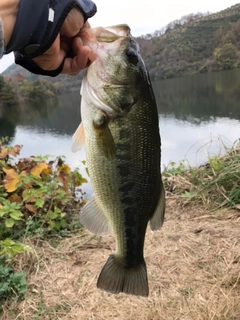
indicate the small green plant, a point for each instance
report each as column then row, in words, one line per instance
column 36, row 196
column 174, row 168
column 10, row 248
column 13, row 285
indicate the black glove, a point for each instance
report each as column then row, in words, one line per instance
column 37, row 26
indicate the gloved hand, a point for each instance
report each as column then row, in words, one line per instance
column 46, row 36
column 67, row 41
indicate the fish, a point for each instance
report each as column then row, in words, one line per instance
column 120, row 132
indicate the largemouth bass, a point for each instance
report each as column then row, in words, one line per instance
column 121, row 134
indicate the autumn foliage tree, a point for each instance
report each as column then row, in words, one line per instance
column 194, row 43
column 7, row 94
column 226, row 56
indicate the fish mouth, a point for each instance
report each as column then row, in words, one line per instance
column 107, row 76
column 94, row 37
column 113, row 33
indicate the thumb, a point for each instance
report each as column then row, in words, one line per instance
column 73, row 23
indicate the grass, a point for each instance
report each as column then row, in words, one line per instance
column 193, row 261
column 215, row 184
column 193, row 268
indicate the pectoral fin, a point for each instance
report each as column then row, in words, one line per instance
column 93, row 219
column 157, row 220
column 78, row 138
column 104, row 138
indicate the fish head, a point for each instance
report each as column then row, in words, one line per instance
column 113, row 80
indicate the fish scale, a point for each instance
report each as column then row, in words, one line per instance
column 120, row 123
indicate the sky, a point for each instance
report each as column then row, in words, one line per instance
column 143, row 16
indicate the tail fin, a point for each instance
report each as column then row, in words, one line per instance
column 115, row 277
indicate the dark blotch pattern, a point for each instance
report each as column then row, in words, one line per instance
column 127, row 200
column 124, row 134
column 125, row 188
column 132, row 255
column 129, row 217
column 124, row 157
column 133, row 246
column 123, row 170
column 122, row 147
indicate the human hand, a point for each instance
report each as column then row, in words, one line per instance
column 69, row 46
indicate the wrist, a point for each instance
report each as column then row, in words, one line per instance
column 8, row 14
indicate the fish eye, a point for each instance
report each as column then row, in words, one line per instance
column 132, row 55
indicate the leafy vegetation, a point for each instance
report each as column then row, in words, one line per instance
column 13, row 285
column 215, row 184
column 37, row 197
column 7, row 95
column 19, row 89
column 37, row 89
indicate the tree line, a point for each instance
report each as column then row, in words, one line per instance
column 195, row 43
column 13, row 91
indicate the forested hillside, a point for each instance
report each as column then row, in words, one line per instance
column 195, row 43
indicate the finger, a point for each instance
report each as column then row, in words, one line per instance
column 80, row 51
column 78, row 47
column 73, row 23
column 53, row 57
column 73, row 66
column 86, row 25
column 80, row 59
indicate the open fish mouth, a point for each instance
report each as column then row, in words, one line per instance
column 95, row 36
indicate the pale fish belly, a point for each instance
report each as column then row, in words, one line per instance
column 127, row 190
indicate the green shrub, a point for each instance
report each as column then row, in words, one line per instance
column 36, row 196
column 13, row 285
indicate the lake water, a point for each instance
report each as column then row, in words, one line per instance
column 199, row 115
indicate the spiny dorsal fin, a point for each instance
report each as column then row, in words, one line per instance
column 93, row 219
column 78, row 138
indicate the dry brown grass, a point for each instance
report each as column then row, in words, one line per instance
column 214, row 184
column 193, row 267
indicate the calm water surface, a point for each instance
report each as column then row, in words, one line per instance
column 198, row 115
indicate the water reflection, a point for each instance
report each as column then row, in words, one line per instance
column 7, row 128
column 183, row 140
column 201, row 97
column 193, row 110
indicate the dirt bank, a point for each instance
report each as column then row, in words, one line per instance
column 193, row 267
